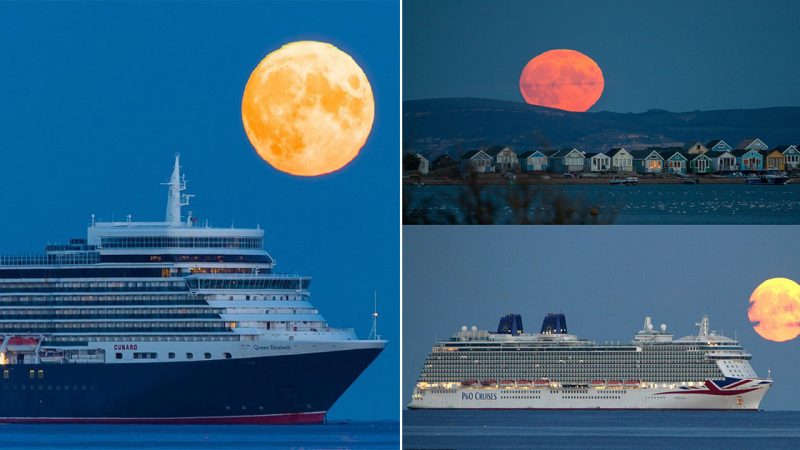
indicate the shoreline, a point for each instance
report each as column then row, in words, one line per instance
column 535, row 180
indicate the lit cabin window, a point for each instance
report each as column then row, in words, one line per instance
column 5, row 374
column 189, row 356
column 41, row 374
column 30, row 374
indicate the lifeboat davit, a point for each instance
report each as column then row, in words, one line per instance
column 22, row 344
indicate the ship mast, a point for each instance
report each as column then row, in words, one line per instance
column 175, row 198
column 373, row 334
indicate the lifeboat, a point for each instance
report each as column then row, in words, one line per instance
column 51, row 356
column 614, row 383
column 488, row 382
column 541, row 382
column 598, row 382
column 506, row 382
column 632, row 383
column 524, row 382
column 22, row 344
column 469, row 383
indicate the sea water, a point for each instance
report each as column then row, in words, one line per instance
column 646, row 430
column 333, row 435
column 643, row 204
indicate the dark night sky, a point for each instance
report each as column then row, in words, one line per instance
column 605, row 279
column 97, row 97
column 679, row 55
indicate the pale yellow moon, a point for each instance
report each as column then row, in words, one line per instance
column 775, row 309
column 308, row 108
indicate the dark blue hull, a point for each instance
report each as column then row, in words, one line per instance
column 279, row 389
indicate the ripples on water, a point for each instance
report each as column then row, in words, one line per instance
column 646, row 430
column 649, row 203
column 350, row 435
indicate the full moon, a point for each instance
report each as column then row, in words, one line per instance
column 563, row 79
column 775, row 309
column 308, row 108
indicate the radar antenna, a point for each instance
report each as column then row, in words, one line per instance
column 373, row 334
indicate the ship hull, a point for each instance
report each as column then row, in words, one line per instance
column 746, row 396
column 289, row 389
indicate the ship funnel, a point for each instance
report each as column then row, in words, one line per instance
column 554, row 324
column 510, row 324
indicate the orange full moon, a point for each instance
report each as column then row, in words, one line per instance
column 775, row 309
column 308, row 108
column 563, row 79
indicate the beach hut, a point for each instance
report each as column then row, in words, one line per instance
column 718, row 145
column 476, row 161
column 749, row 160
column 424, row 164
column 752, row 144
column 648, row 161
column 533, row 161
column 565, row 160
column 791, row 155
column 674, row 161
column 700, row 163
column 723, row 161
column 621, row 160
column 774, row 160
column 596, row 162
column 443, row 161
column 505, row 159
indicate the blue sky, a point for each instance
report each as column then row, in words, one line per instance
column 604, row 279
column 98, row 97
column 679, row 55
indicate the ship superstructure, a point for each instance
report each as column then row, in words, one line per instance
column 167, row 322
column 511, row 369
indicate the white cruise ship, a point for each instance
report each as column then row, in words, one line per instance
column 511, row 369
column 167, row 322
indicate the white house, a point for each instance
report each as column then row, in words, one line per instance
column 792, row 155
column 476, row 161
column 723, row 161
column 505, row 159
column 596, row 162
column 621, row 160
column 718, row 145
column 648, row 161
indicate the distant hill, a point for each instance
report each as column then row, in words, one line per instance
column 455, row 125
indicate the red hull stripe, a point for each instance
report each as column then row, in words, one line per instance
column 272, row 419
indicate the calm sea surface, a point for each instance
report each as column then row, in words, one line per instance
column 642, row 204
column 347, row 435
column 646, row 430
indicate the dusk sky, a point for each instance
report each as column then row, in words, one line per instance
column 98, row 97
column 604, row 279
column 679, row 55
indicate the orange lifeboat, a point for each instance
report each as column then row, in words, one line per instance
column 469, row 383
column 630, row 383
column 524, row 382
column 598, row 382
column 614, row 383
column 506, row 382
column 541, row 382
column 488, row 382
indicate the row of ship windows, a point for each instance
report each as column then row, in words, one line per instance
column 133, row 338
column 252, row 283
column 39, row 327
column 91, row 298
column 515, row 352
column 565, row 356
column 55, row 286
column 170, row 355
column 186, row 242
column 114, row 311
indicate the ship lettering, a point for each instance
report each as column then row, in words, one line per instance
column 478, row 396
column 126, row 347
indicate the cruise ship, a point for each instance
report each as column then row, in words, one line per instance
column 511, row 369
column 167, row 322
